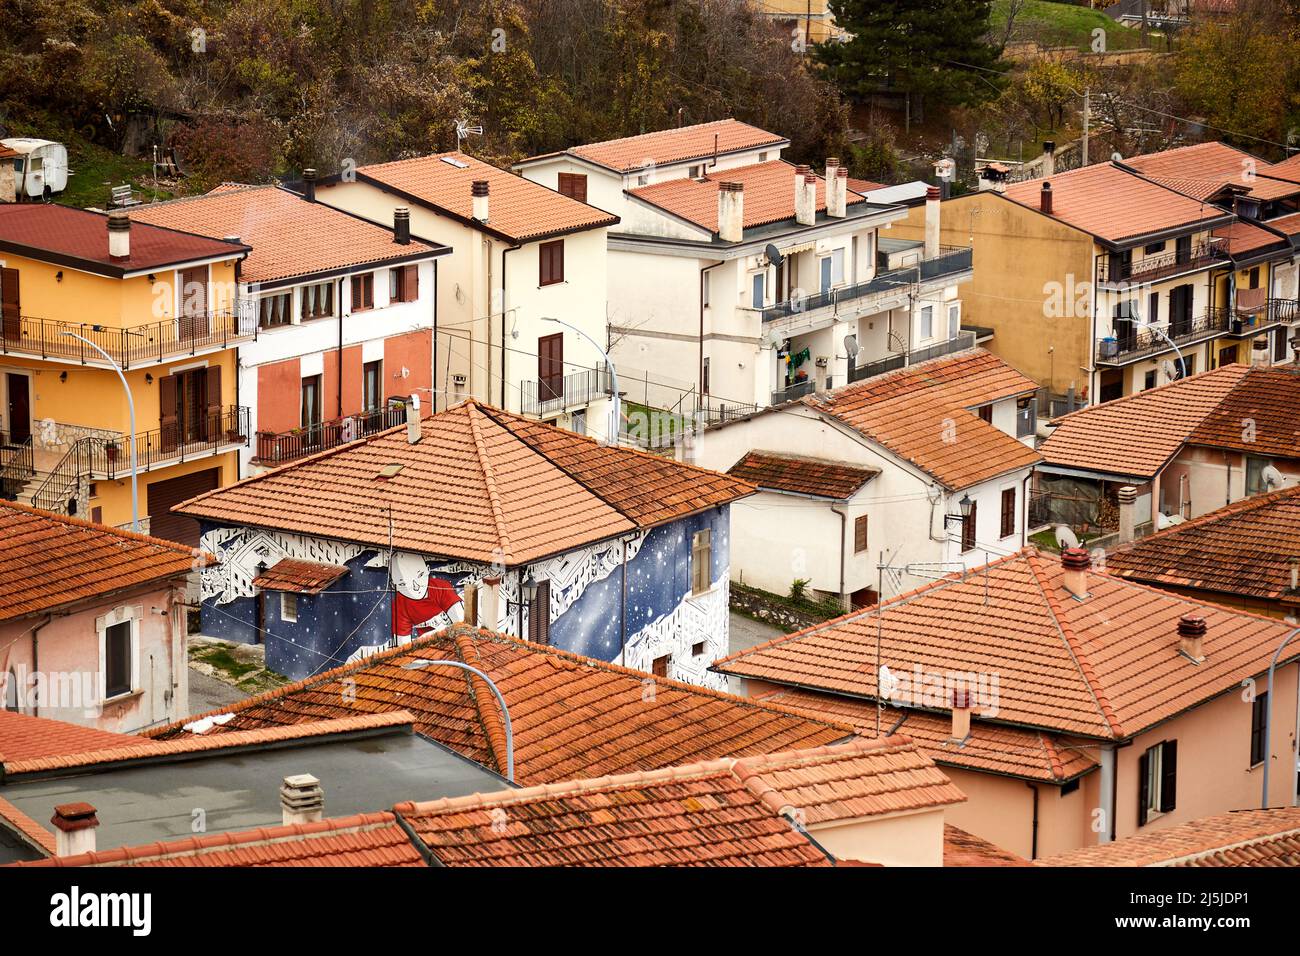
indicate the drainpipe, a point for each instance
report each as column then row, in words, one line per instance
column 504, row 251
column 841, row 509
column 340, row 368
column 36, row 658
column 1268, row 717
column 433, row 399
column 1108, row 792
column 1033, row 840
column 699, row 387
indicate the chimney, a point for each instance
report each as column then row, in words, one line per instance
column 837, row 188
column 1191, row 636
column 402, row 226
column 119, row 235
column 1295, row 574
column 301, row 799
column 1049, row 159
column 413, row 420
column 961, row 701
column 75, row 825
column 932, row 204
column 1127, row 514
column 1045, row 199
column 805, row 196
column 1075, row 562
column 731, row 212
column 479, row 192
column 309, row 185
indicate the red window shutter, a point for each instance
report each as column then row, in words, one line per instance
column 356, row 293
column 410, row 283
column 551, row 262
column 10, row 304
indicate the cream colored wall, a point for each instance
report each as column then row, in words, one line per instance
column 998, row 809
column 902, row 839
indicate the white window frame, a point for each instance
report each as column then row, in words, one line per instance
column 287, row 598
column 123, row 614
column 954, row 319
column 926, row 320
column 758, row 283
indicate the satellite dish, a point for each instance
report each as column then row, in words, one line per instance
column 773, row 339
column 773, row 255
column 1170, row 368
column 1272, row 477
column 851, row 346
column 1065, row 538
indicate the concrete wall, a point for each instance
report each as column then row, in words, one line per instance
column 895, row 839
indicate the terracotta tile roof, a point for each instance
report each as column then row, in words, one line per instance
column 1240, row 838
column 965, row 849
column 572, row 716
column 676, row 145
column 1198, row 189
column 991, row 748
column 769, row 195
column 291, row 238
column 23, row 737
column 519, row 210
column 367, row 839
column 304, row 577
column 481, row 485
column 50, row 561
column 1245, row 548
column 1244, row 238
column 26, row 829
column 805, row 476
column 1139, row 434
column 1290, row 225
column 1112, row 204
column 1269, row 398
column 924, row 414
column 1218, row 162
column 53, row 233
column 862, row 186
column 1106, row 667
column 719, row 813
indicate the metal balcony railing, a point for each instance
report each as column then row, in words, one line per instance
column 130, row 347
column 1112, row 269
column 551, row 396
column 1143, row 343
column 274, row 448
column 17, row 466
column 963, row 340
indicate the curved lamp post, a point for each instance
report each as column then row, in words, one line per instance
column 421, row 663
column 130, row 405
column 1182, row 363
column 1268, row 718
column 616, row 408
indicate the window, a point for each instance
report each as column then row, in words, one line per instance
column 273, row 310
column 954, row 321
column 1190, row 360
column 372, row 377
column 288, row 607
column 968, row 530
column 311, row 401
column 117, row 659
column 985, row 413
column 697, row 648
column 706, row 286
column 1228, row 356
column 1153, row 248
column 1183, row 249
column 701, row 561
column 1255, row 484
column 404, row 284
column 574, row 185
column 539, row 614
column 660, row 666
column 550, row 366
column 758, row 289
column 827, row 274
column 11, row 692
column 551, row 258
column 1254, row 278
column 317, row 300
column 704, row 385
column 1258, row 714
column 363, row 292
column 578, row 422
column 1150, row 380
column 927, row 322
column 1153, row 308
column 643, row 180
column 1157, row 780
column 1279, row 345
column 696, row 172
column 1008, row 524
column 860, row 534
column 762, row 157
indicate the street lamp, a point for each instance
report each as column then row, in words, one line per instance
column 422, row 663
column 1268, row 718
column 1182, row 363
column 130, row 405
column 965, row 506
column 616, row 417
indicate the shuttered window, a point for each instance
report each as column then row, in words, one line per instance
column 859, row 534
column 551, row 262
column 574, row 185
column 404, row 284
column 1258, row 714
column 363, row 292
column 539, row 614
column 1008, row 525
column 968, row 529
column 1157, row 780
column 701, row 561
column 660, row 666
column 117, row 660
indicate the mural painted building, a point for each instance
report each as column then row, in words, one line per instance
column 478, row 515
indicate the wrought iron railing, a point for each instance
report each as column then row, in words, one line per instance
column 890, row 363
column 791, row 392
column 1115, row 268
column 129, row 347
column 548, row 397
column 277, row 447
column 1142, row 343
column 17, row 467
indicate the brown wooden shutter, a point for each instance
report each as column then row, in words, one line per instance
column 550, row 366
column 1008, row 512
column 213, row 395
column 660, row 665
column 167, row 409
column 968, row 530
column 550, row 257
column 1168, row 775
column 539, row 615
column 859, row 534
column 1144, row 789
column 574, row 185
column 11, row 304
column 194, row 305
column 410, row 283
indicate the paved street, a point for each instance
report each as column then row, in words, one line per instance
column 208, row 693
column 746, row 632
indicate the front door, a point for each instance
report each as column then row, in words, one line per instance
column 18, row 388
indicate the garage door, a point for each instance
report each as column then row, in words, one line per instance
column 172, row 491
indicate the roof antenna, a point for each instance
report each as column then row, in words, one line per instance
column 464, row 131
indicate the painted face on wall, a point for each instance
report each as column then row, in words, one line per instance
column 410, row 575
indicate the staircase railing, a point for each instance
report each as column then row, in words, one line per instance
column 64, row 480
column 17, row 467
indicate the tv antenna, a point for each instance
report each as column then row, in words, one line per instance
column 464, row 131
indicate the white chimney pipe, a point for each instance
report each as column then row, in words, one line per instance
column 74, row 825
column 805, row 196
column 301, row 799
column 119, row 235
column 479, row 194
column 1049, row 159
column 932, row 207
column 413, row 420
column 837, row 188
column 1127, row 514
column 731, row 212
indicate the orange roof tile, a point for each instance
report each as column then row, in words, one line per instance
column 291, row 238
column 1245, row 548
column 304, row 577
column 572, row 716
column 1266, row 398
column 481, row 485
column 805, row 476
column 965, row 849
column 1245, row 238
column 1241, row 838
column 991, row 748
column 1112, row 204
column 862, row 186
column 924, row 414
column 1106, row 667
column 1218, row 162
column 1290, row 225
column 519, row 209
column 663, row 147
column 23, row 737
column 1137, row 435
column 51, row 561
column 769, row 195
column 366, row 839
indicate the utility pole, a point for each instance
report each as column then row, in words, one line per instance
column 1087, row 116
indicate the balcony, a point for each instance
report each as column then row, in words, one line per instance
column 559, row 394
column 1116, row 270
column 964, row 340
column 856, row 299
column 275, row 448
column 1273, row 312
column 1144, row 343
column 130, row 347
